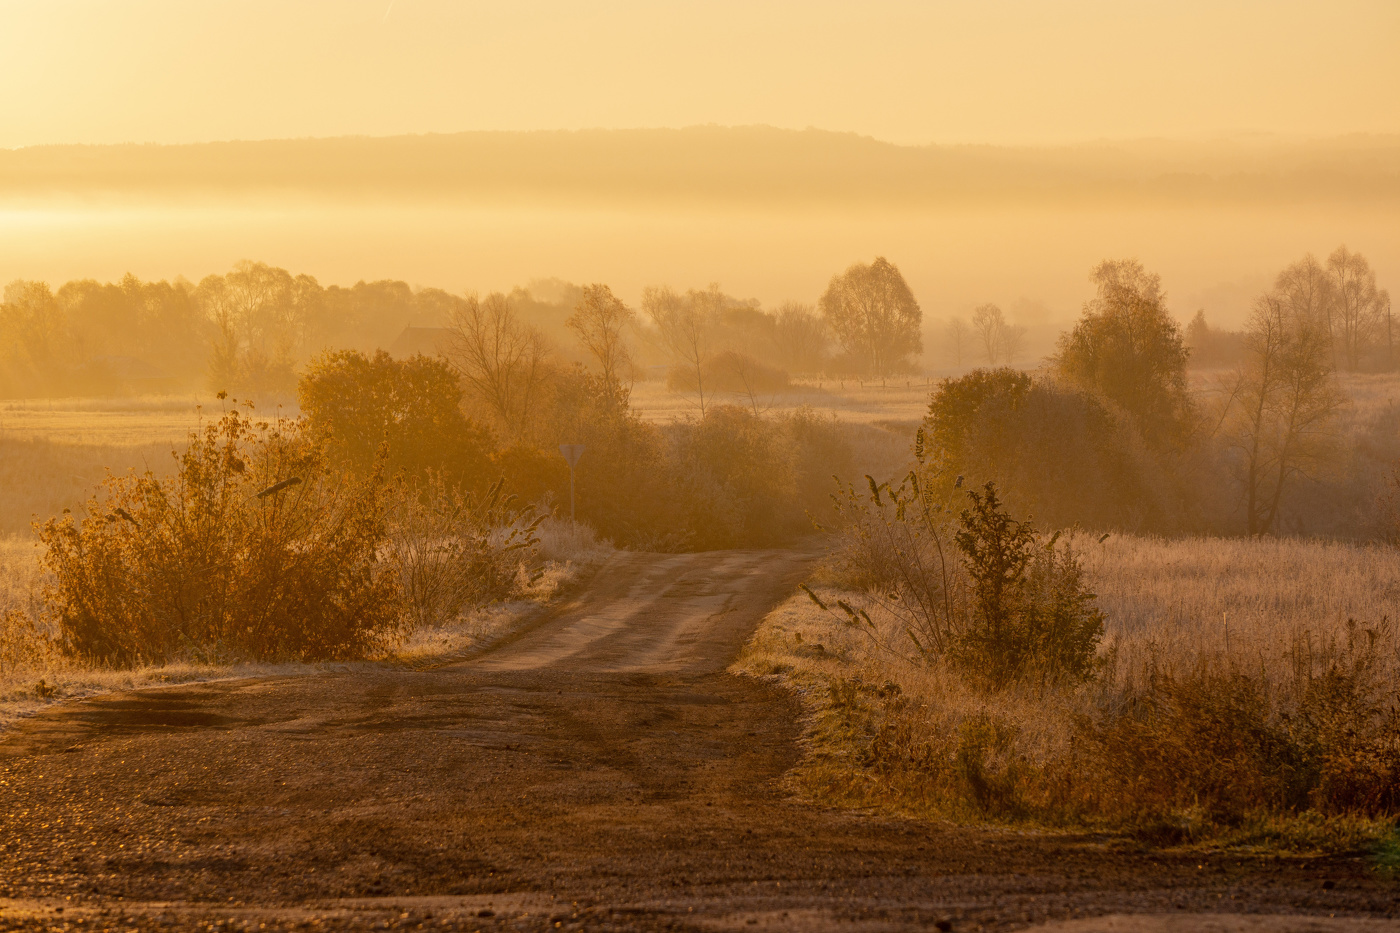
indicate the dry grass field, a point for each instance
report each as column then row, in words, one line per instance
column 54, row 452
column 892, row 731
column 138, row 421
column 899, row 404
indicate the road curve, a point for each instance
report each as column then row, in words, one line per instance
column 649, row 613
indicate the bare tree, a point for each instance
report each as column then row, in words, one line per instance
column 600, row 319
column 873, row 314
column 1000, row 340
column 503, row 362
column 1285, row 398
column 955, row 337
column 1306, row 289
column 1359, row 305
column 686, row 325
column 987, row 324
column 1013, row 343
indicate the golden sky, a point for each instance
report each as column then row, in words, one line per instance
column 917, row 71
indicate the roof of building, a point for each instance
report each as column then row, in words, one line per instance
column 427, row 341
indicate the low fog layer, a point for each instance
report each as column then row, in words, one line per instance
column 767, row 213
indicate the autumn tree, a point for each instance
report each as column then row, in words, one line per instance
column 873, row 315
column 35, row 356
column 600, row 320
column 1127, row 348
column 1282, row 404
column 503, row 361
column 157, row 322
column 259, row 317
column 410, row 410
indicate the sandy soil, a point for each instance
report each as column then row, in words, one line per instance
column 600, row 771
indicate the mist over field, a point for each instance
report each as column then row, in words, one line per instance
column 784, row 465
column 767, row 213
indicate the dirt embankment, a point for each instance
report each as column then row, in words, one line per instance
column 600, row 771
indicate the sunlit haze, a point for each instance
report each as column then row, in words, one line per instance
column 663, row 465
column 995, row 151
column 913, row 71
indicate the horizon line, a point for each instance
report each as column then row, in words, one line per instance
column 1227, row 137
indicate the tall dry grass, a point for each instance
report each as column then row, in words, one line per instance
column 1247, row 695
column 1182, row 602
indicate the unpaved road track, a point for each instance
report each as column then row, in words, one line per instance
column 600, row 772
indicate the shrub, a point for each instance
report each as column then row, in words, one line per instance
column 896, row 546
column 621, row 487
column 987, row 594
column 1057, row 452
column 452, row 552
column 1230, row 740
column 253, row 549
column 735, row 475
column 1031, row 612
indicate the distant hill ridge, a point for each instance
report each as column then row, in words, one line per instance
column 709, row 164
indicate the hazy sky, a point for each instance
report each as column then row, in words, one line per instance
column 1026, row 71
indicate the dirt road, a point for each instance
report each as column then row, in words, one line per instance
column 599, row 772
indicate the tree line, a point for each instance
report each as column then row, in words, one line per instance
column 252, row 329
column 1112, row 434
column 1341, row 295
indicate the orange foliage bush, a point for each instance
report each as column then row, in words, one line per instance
column 252, row 549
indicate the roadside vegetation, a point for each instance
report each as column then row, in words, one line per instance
column 1243, row 695
column 1112, row 591
column 962, row 659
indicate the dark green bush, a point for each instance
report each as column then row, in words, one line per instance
column 1058, row 452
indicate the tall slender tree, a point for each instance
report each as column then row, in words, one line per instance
column 600, row 320
column 1285, row 399
column 1359, row 307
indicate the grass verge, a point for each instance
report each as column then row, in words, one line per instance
column 910, row 737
